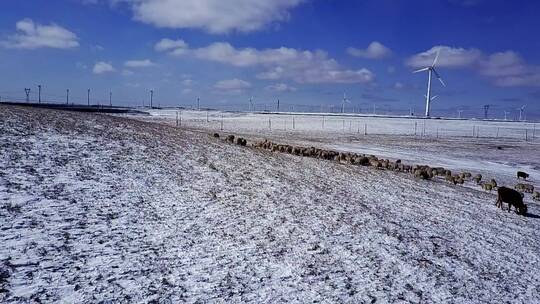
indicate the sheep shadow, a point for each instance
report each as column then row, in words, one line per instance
column 530, row 215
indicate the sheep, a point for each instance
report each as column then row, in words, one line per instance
column 440, row 171
column 477, row 178
column 230, row 138
column 375, row 163
column 450, row 178
column 524, row 188
column 493, row 182
column 513, row 198
column 487, row 187
column 216, row 135
column 521, row 174
column 240, row 141
column 422, row 174
column 447, row 172
column 460, row 180
column 536, row 196
column 465, row 175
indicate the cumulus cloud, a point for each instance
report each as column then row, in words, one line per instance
column 283, row 63
column 214, row 16
column 232, row 86
column 31, row 35
column 174, row 47
column 375, row 50
column 280, row 87
column 102, row 67
column 139, row 63
column 505, row 69
column 449, row 57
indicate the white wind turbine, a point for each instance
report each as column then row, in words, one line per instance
column 431, row 69
column 522, row 112
column 345, row 100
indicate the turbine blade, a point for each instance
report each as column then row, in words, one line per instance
column 436, row 57
column 421, row 70
column 439, row 77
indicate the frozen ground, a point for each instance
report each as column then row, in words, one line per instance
column 105, row 209
column 447, row 143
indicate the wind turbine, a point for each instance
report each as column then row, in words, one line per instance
column 431, row 69
column 522, row 112
column 251, row 104
column 345, row 100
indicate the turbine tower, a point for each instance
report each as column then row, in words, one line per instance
column 431, row 70
column 522, row 112
column 345, row 100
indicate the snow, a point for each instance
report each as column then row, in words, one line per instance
column 96, row 208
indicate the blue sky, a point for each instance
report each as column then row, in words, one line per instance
column 306, row 53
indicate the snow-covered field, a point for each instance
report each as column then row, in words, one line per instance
column 497, row 149
column 96, row 208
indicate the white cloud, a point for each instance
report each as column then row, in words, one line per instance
column 506, row 69
column 509, row 70
column 126, row 72
column 449, row 57
column 139, row 63
column 33, row 36
column 280, row 87
column 283, row 63
column 214, row 16
column 398, row 85
column 175, row 47
column 375, row 50
column 232, row 86
column 187, row 91
column 103, row 67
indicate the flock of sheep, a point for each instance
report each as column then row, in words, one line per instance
column 424, row 172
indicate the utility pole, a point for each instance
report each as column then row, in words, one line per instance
column 198, row 104
column 27, row 91
column 459, row 113
column 278, row 105
column 151, row 99
column 39, row 93
column 506, row 115
column 88, row 97
column 110, row 98
column 67, row 96
column 486, row 109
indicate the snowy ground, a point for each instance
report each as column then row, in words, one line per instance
column 497, row 150
column 99, row 208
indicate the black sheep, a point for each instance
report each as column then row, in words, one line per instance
column 513, row 198
column 521, row 174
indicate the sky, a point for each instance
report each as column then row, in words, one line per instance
column 306, row 53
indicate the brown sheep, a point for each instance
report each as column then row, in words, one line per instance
column 513, row 198
column 419, row 173
column 230, row 138
column 477, row 178
column 524, row 188
column 216, row 135
column 493, row 183
column 487, row 187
